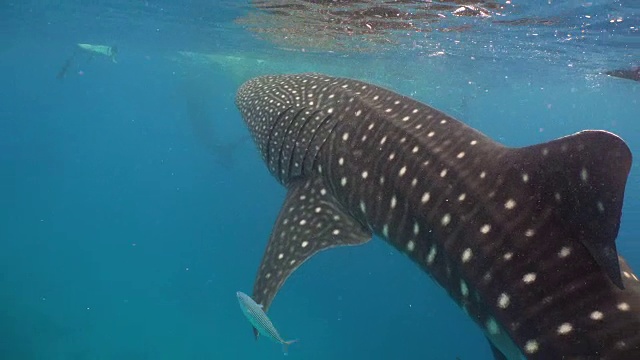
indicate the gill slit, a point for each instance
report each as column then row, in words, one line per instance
column 284, row 142
column 297, row 140
column 273, row 127
column 310, row 144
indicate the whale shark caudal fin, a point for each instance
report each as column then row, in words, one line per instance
column 582, row 177
column 310, row 220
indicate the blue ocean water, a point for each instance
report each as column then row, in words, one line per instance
column 134, row 206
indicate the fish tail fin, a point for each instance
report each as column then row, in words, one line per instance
column 285, row 345
column 113, row 52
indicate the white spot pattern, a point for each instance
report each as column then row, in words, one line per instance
column 492, row 326
column 564, row 252
column 531, row 347
column 623, row 306
column 529, row 278
column 503, row 301
column 466, row 255
column 565, row 328
column 596, row 315
column 510, row 204
column 411, row 245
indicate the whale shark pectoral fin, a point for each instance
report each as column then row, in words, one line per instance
column 310, row 220
column 584, row 175
column 497, row 355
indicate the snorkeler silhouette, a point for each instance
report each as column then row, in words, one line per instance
column 104, row 50
column 108, row 51
column 65, row 67
column 631, row 74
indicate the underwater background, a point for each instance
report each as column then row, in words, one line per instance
column 134, row 205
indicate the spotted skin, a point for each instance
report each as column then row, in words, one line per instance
column 522, row 239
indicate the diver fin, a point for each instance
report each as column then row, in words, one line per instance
column 584, row 175
column 65, row 67
column 310, row 220
column 113, row 52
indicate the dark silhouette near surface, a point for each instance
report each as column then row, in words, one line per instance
column 630, row 74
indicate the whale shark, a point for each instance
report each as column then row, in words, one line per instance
column 522, row 239
column 630, row 74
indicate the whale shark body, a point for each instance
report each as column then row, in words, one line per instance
column 522, row 239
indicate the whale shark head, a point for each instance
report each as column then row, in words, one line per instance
column 523, row 239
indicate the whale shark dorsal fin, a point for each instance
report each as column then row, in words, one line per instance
column 582, row 177
column 310, row 221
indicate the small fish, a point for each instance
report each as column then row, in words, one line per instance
column 261, row 323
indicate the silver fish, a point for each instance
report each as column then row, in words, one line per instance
column 260, row 321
